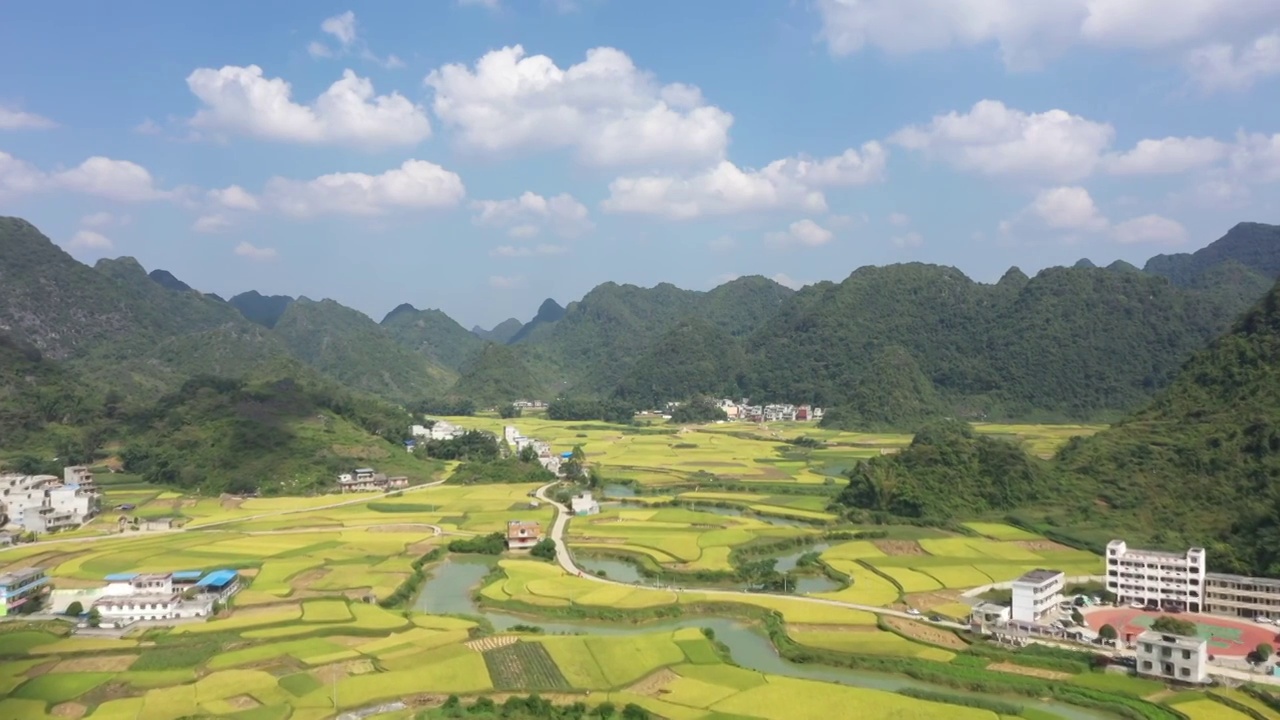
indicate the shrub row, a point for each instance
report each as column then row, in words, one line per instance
column 407, row 589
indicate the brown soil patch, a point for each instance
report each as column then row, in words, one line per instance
column 653, row 684
column 1029, row 672
column 899, row 547
column 99, row 663
column 243, row 702
column 69, row 710
column 304, row 579
column 1046, row 545
column 421, row 548
column 42, row 668
column 113, row 690
column 231, row 503
column 926, row 633
column 1161, row 696
column 926, row 601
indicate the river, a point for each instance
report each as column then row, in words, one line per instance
column 449, row 590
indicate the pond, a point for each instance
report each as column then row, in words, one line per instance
column 618, row 491
column 449, row 589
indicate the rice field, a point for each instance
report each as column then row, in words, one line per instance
column 867, row 641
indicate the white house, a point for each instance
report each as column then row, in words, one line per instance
column 1036, row 594
column 43, row 503
column 584, row 504
column 523, row 534
column 1156, row 578
column 443, row 430
column 1173, row 657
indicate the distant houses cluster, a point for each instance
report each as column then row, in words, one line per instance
column 370, row 480
column 47, row 503
column 518, row 443
column 743, row 411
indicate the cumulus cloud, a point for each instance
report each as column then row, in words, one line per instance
column 248, row 250
column 1150, row 229
column 724, row 189
column 604, row 108
column 242, row 100
column 1166, row 156
column 15, row 119
column 148, row 127
column 1222, row 66
column 1255, row 157
column 908, row 240
column 90, row 240
column 210, row 224
column 1029, row 33
column 801, row 233
column 1068, row 208
column 233, row 197
column 520, row 251
column 415, row 185
column 103, row 177
column 342, row 28
column 489, row 4
column 995, row 140
column 528, row 215
column 506, row 282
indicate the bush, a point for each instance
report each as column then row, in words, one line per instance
column 545, row 549
column 75, row 609
column 1174, row 626
column 491, row 544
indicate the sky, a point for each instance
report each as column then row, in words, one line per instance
column 478, row 156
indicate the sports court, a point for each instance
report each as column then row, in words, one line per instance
column 1227, row 637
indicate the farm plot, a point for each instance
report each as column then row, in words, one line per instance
column 811, row 700
column 867, row 641
column 1000, row 531
column 524, row 666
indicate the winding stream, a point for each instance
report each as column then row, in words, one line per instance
column 449, row 590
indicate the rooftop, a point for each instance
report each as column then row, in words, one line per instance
column 1039, row 575
column 1191, row 643
column 17, row 577
column 120, row 577
column 1242, row 579
column 990, row 608
column 218, row 578
column 188, row 574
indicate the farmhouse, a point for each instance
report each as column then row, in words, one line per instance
column 1156, row 578
column 584, row 504
column 443, row 430
column 1037, row 594
column 987, row 613
column 43, row 503
column 19, row 587
column 366, row 480
column 523, row 534
column 1173, row 657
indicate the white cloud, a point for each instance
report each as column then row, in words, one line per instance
column 909, row 240
column 90, row 240
column 18, row 176
column 1166, row 156
column 1256, row 157
column 727, row 189
column 801, row 233
column 103, row 219
column 995, row 140
column 1150, row 229
column 342, row 27
column 517, row 251
column 99, row 176
column 253, row 252
column 233, row 197
column 604, row 108
column 148, row 127
column 1221, row 66
column 211, row 224
column 724, row 243
column 506, row 282
column 241, row 100
column 1068, row 208
column 1029, row 33
column 415, row 185
column 14, row 119
column 488, row 4
column 899, row 219
column 317, row 49
column 788, row 281
column 527, row 215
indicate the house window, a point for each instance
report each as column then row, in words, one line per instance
column 1186, row 654
column 1146, row 647
column 1146, row 664
column 1186, row 672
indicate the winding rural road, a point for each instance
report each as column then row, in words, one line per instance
column 565, row 559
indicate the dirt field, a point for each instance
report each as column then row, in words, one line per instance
column 926, row 601
column 899, row 547
column 243, row 702
column 926, row 633
column 1030, row 672
column 652, row 685
column 98, row 663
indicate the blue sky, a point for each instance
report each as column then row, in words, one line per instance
column 481, row 155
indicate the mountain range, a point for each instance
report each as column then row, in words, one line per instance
column 1081, row 342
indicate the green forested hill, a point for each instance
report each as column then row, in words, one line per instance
column 1256, row 246
column 693, row 358
column 501, row 333
column 264, row 310
column 433, row 334
column 350, row 347
column 892, row 393
column 501, row 374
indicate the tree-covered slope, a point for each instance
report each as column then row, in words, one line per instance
column 1200, row 465
column 892, row 393
column 1254, row 245
column 350, row 347
column 549, row 313
column 433, row 334
column 36, row 393
column 500, row 374
column 500, row 333
column 264, row 310
column 693, row 358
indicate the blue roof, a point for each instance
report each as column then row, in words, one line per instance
column 218, row 578
column 121, row 577
column 566, row 455
column 188, row 574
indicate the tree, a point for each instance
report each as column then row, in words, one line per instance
column 95, row 618
column 528, row 454
column 575, row 466
column 508, row 411
column 606, row 710
column 1077, row 617
column 1108, row 633
column 1174, row 626
column 1263, row 651
column 545, row 549
column 633, row 711
column 75, row 609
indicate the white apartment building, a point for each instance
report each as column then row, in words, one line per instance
column 43, row 503
column 584, row 504
column 445, row 431
column 1173, row 657
column 1156, row 578
column 1241, row 596
column 1037, row 594
column 78, row 475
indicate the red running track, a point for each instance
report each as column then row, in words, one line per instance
column 1227, row 637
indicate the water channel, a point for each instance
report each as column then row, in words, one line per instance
column 449, row 590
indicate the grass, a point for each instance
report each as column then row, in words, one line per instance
column 872, row 642
column 1208, row 709
column 325, row 611
column 809, row 700
column 60, row 687
column 1000, row 531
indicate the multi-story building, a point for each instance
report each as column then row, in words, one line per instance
column 523, row 534
column 78, row 475
column 1156, row 578
column 1036, row 594
column 19, row 587
column 1241, row 596
column 43, row 503
column 442, row 430
column 1173, row 657
column 584, row 504
column 367, row 480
